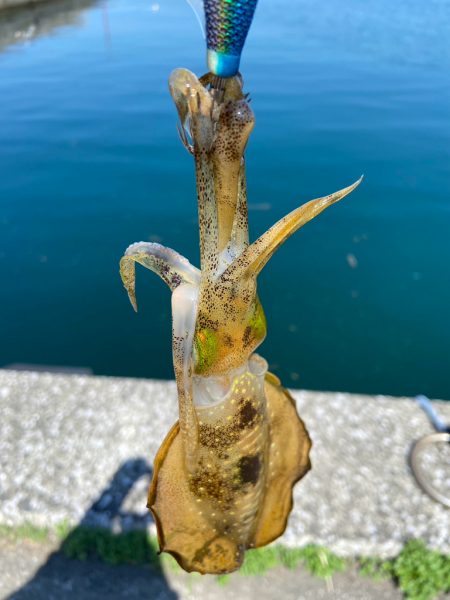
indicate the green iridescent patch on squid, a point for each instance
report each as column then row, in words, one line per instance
column 258, row 321
column 206, row 346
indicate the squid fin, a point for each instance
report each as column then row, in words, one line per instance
column 289, row 459
column 187, row 532
column 183, row 530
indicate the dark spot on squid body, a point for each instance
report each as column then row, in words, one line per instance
column 247, row 415
column 176, row 280
column 249, row 468
column 247, row 335
column 228, row 341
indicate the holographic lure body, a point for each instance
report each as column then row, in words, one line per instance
column 227, row 25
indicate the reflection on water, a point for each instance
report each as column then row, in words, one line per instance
column 90, row 160
column 24, row 23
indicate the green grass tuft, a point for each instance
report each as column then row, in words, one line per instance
column 25, row 532
column 63, row 529
column 421, row 573
column 259, row 561
column 376, row 568
column 322, row 562
column 131, row 548
column 290, row 557
column 318, row 560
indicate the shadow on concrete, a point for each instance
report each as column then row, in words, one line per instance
column 64, row 578
column 20, row 24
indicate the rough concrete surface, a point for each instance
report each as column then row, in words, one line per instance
column 75, row 447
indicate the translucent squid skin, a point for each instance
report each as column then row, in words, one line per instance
column 223, row 477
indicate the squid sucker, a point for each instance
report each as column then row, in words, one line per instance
column 224, row 475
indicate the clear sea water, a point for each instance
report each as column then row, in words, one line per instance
column 358, row 300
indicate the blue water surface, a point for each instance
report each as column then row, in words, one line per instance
column 90, row 161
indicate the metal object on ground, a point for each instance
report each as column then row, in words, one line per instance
column 430, row 457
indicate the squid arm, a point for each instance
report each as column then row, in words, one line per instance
column 173, row 268
column 195, row 107
column 216, row 133
column 239, row 233
column 256, row 256
column 183, row 279
column 235, row 124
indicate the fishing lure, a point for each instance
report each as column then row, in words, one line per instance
column 227, row 25
column 224, row 475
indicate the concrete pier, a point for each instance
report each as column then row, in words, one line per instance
column 64, row 438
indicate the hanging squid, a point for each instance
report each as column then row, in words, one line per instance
column 224, row 475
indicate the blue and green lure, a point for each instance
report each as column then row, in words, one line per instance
column 227, row 25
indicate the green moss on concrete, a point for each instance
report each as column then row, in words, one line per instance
column 421, row 573
column 318, row 560
column 25, row 532
column 131, row 548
